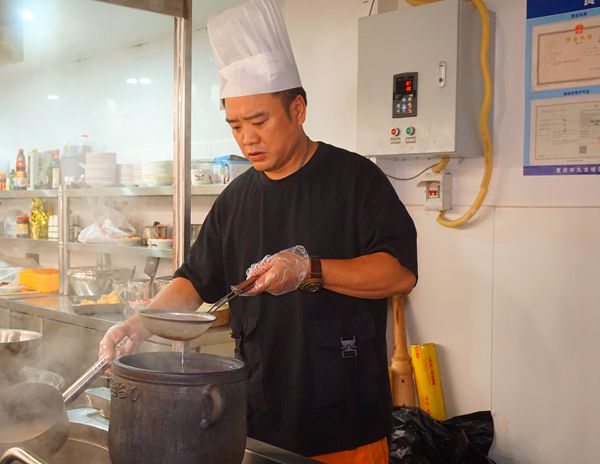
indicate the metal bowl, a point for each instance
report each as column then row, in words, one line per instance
column 91, row 281
column 176, row 325
column 17, row 349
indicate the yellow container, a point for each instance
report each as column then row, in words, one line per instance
column 40, row 280
column 428, row 380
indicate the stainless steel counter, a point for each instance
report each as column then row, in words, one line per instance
column 88, row 426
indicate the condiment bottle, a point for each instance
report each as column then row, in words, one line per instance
column 55, row 169
column 22, row 228
column 20, row 182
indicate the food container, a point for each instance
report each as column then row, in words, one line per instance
column 228, row 167
column 22, row 227
column 91, row 281
column 40, row 280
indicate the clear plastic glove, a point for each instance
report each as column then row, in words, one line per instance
column 131, row 329
column 280, row 273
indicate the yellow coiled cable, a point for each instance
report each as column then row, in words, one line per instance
column 483, row 117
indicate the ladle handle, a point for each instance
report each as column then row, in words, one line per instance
column 244, row 286
column 82, row 382
column 89, row 376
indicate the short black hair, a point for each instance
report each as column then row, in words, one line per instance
column 288, row 96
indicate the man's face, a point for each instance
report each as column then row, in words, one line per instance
column 267, row 136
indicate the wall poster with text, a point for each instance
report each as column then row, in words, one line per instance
column 562, row 88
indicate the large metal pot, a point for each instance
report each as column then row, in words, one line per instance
column 163, row 412
column 18, row 348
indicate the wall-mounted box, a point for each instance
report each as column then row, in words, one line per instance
column 420, row 86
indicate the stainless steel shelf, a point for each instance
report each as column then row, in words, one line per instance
column 208, row 189
column 29, row 242
column 48, row 193
column 120, row 192
column 198, row 190
column 107, row 248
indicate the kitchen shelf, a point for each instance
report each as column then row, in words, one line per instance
column 119, row 192
column 46, row 193
column 30, row 242
column 107, row 248
column 208, row 189
column 198, row 190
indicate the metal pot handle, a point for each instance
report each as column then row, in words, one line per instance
column 212, row 405
column 14, row 455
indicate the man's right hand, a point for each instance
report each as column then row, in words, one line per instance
column 132, row 329
column 180, row 294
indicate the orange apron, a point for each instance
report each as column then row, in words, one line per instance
column 373, row 453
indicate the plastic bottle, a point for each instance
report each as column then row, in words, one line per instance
column 20, row 180
column 55, row 169
column 72, row 159
column 10, row 184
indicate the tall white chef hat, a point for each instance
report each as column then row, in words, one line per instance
column 252, row 50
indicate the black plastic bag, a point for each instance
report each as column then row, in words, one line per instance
column 417, row 438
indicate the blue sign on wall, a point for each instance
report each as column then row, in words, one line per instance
column 539, row 8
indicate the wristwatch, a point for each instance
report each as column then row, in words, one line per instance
column 314, row 281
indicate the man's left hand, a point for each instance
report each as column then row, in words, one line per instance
column 280, row 273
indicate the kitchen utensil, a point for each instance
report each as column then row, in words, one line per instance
column 403, row 388
column 235, row 291
column 34, row 415
column 90, row 281
column 176, row 325
column 17, row 348
column 150, row 269
column 195, row 413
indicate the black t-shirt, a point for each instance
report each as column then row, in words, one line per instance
column 303, row 395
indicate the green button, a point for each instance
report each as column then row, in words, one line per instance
column 410, row 131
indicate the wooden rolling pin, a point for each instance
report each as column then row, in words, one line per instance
column 403, row 390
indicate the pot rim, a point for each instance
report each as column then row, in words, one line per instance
column 126, row 371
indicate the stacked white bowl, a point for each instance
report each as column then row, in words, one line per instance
column 125, row 175
column 100, row 169
column 53, row 227
column 157, row 173
column 138, row 174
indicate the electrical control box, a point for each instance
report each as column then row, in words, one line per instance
column 420, row 87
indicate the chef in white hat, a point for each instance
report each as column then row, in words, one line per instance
column 330, row 241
